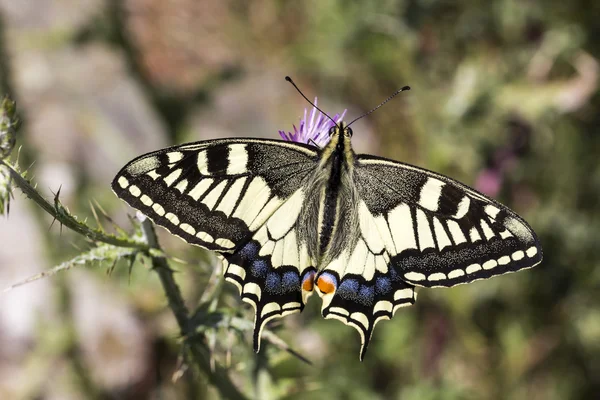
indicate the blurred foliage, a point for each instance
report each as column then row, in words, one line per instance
column 504, row 97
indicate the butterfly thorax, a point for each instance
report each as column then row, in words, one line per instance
column 335, row 193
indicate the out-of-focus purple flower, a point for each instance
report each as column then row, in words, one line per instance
column 314, row 130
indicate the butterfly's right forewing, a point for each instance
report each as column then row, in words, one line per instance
column 216, row 193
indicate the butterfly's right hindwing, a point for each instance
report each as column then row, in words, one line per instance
column 216, row 193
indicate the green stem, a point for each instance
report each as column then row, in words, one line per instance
column 216, row 374
column 62, row 216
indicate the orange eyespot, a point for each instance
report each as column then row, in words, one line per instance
column 308, row 283
column 326, row 284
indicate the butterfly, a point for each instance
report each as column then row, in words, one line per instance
column 290, row 219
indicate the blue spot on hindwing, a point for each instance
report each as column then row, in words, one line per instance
column 273, row 283
column 366, row 295
column 393, row 274
column 291, row 281
column 348, row 289
column 250, row 251
column 259, row 268
column 383, row 285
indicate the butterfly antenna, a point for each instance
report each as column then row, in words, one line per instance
column 385, row 101
column 287, row 78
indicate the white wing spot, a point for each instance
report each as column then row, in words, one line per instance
column 492, row 211
column 487, row 231
column 457, row 234
column 471, row 269
column 504, row 260
column 153, row 174
column 255, row 198
column 181, row 186
column 158, row 209
column 381, row 264
column 490, row 264
column 474, row 235
column 456, row 273
column 252, row 288
column 267, row 248
column 237, row 271
column 205, row 237
column 384, row 232
column 277, row 256
column 361, row 319
column 135, row 191
column 339, row 310
column 123, row 182
column 202, row 163
column 401, row 226
column 430, row 194
column 518, row 255
column 265, row 213
column 200, row 188
column 172, row 218
column 291, row 304
column 147, row 201
column 211, row 198
column 172, row 177
column 414, row 276
column 383, row 305
column 188, row 229
column 442, row 238
column 505, row 234
column 424, row 232
column 228, row 202
column 269, row 308
column 532, row 251
column 463, row 208
column 237, row 159
column 437, row 276
column 403, row 294
column 174, row 156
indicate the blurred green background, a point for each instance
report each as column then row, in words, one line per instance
column 504, row 98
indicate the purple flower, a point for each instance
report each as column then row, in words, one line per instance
column 313, row 131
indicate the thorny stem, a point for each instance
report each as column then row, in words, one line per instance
column 199, row 352
column 216, row 374
column 66, row 219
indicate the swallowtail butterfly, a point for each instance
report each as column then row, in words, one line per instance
column 290, row 219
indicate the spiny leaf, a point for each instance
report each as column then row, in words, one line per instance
column 98, row 254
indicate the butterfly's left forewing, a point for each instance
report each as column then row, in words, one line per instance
column 444, row 233
column 241, row 198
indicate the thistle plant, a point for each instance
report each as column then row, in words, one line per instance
column 313, row 130
column 142, row 245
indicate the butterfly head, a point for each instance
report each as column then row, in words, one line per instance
column 340, row 129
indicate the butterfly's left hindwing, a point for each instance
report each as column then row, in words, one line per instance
column 241, row 198
column 413, row 227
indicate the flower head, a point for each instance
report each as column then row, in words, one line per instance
column 313, row 130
